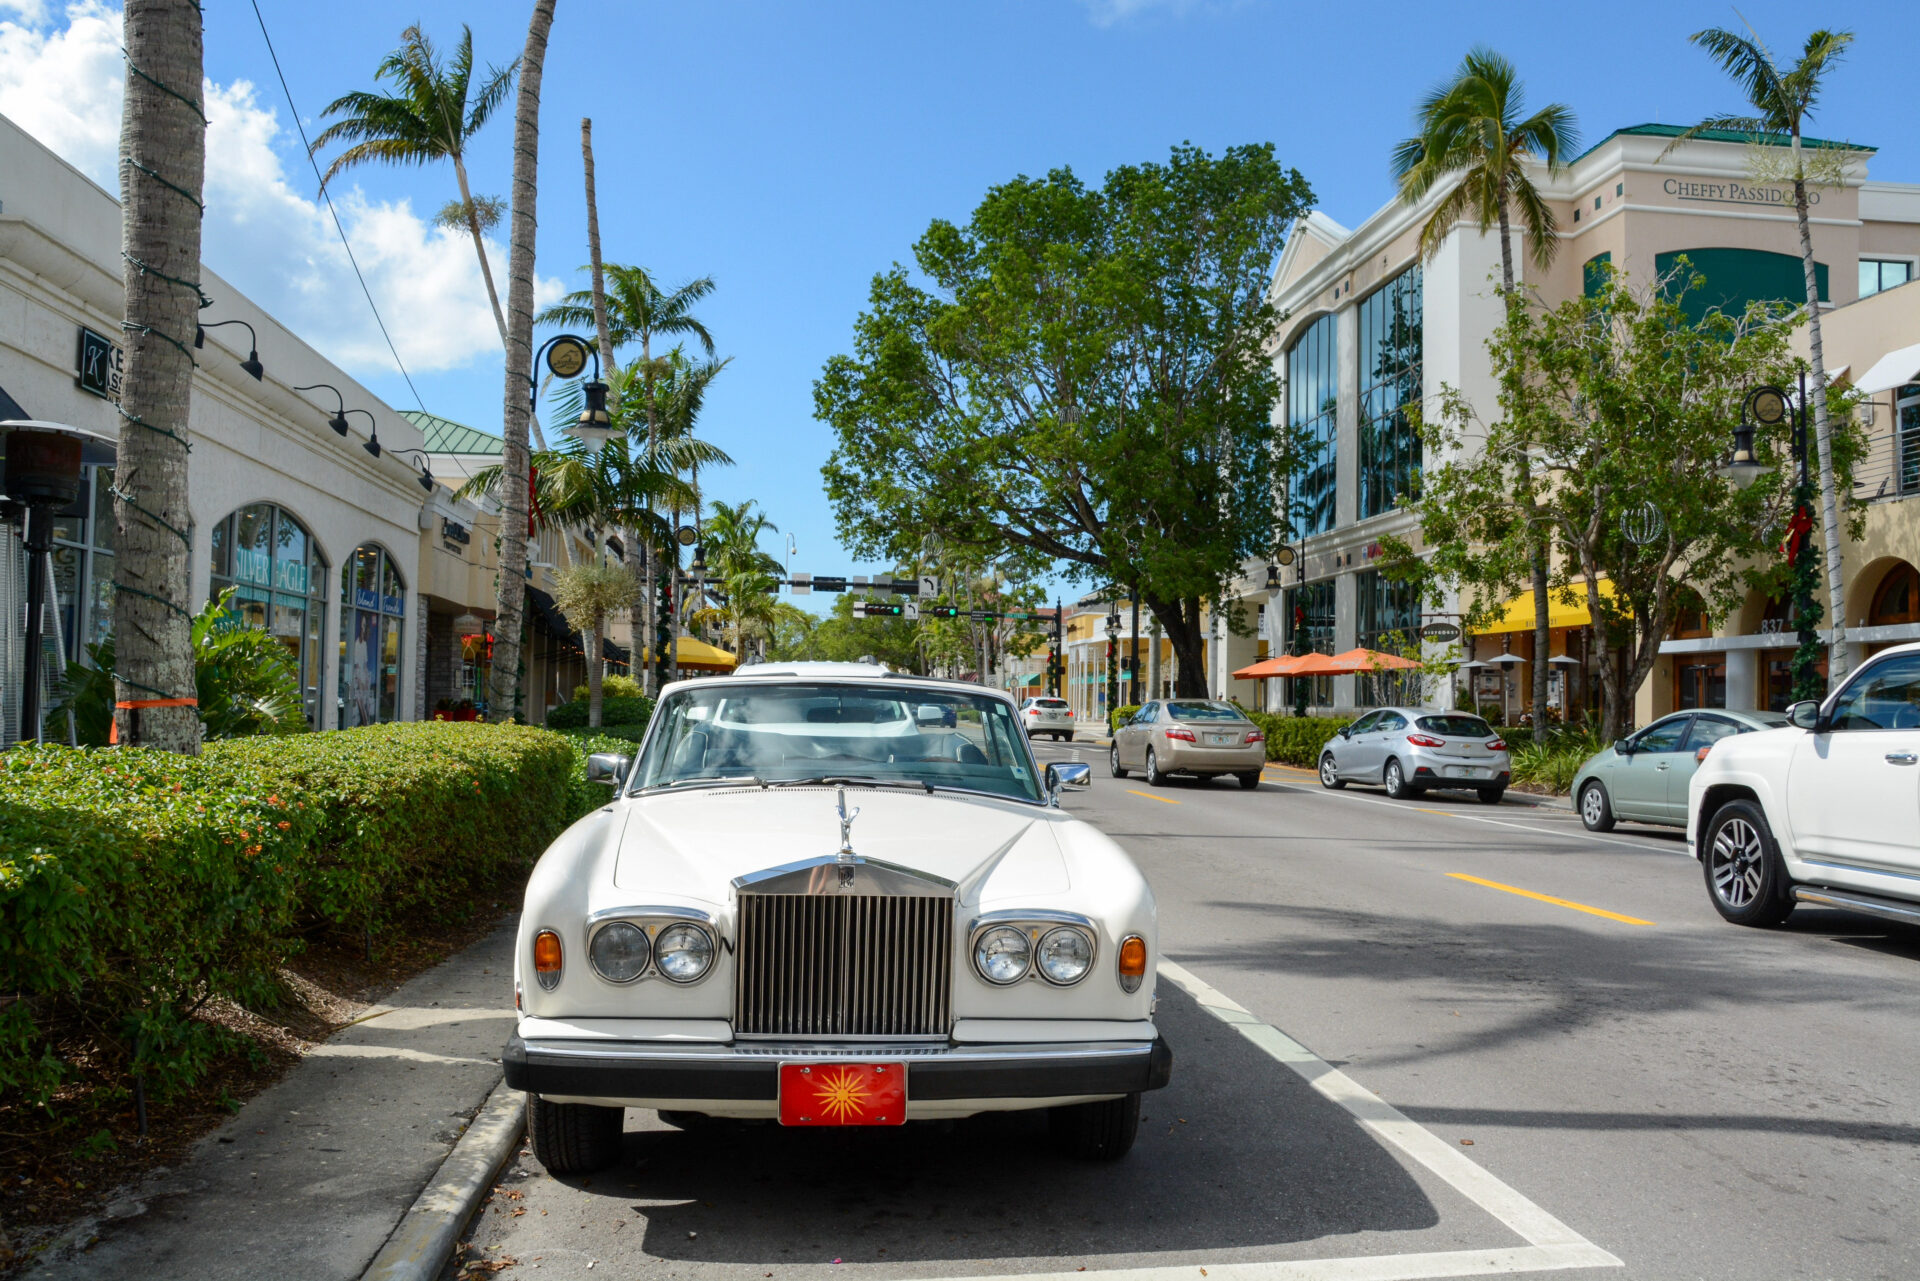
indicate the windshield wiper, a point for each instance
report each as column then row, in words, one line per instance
column 731, row 780
column 850, row 780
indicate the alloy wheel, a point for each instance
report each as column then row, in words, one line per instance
column 1737, row 859
column 1329, row 774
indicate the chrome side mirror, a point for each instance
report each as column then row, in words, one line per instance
column 1067, row 776
column 608, row 768
column 1804, row 715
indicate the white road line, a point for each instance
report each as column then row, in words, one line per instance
column 1378, row 1267
column 1572, row 834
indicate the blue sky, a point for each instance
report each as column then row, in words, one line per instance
column 791, row 150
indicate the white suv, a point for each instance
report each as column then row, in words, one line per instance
column 1825, row 811
column 1047, row 716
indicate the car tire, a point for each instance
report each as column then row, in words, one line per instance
column 1250, row 780
column 1330, row 773
column 1596, row 808
column 1154, row 777
column 1490, row 795
column 1113, row 761
column 1741, row 862
column 574, row 1138
column 1096, row 1131
column 1395, row 780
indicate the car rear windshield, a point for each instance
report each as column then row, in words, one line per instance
column 1052, row 704
column 1456, row 726
column 1199, row 711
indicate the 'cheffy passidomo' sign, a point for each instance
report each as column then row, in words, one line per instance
column 1732, row 193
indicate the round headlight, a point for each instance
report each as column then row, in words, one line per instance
column 1003, row 955
column 619, row 952
column 682, row 952
column 1066, row 954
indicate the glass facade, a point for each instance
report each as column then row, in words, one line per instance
column 1389, row 386
column 279, row 581
column 1880, row 273
column 83, row 564
column 373, row 602
column 1312, row 619
column 1389, row 620
column 1313, row 402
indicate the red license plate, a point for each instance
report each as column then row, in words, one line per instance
column 843, row 1094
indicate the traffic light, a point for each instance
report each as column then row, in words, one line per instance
column 878, row 609
column 663, row 624
column 939, row 611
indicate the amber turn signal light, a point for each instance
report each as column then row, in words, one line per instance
column 1133, row 962
column 547, row 959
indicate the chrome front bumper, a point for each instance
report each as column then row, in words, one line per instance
column 749, row 1071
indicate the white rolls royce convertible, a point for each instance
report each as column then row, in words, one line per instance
column 809, row 902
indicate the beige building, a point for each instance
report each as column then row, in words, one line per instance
column 363, row 564
column 1371, row 331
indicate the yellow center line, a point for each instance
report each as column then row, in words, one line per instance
column 1164, row 800
column 1548, row 898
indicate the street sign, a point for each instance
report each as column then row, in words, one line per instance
column 981, row 615
column 913, row 610
column 802, row 584
column 829, row 583
column 904, row 587
column 929, row 585
column 1440, row 632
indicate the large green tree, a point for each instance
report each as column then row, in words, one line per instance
column 1474, row 134
column 432, row 115
column 1078, row 374
column 1782, row 99
column 1625, row 415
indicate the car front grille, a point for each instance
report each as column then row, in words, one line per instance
column 844, row 965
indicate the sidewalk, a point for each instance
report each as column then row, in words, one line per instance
column 309, row 1180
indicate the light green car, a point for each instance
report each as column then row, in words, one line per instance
column 1643, row 778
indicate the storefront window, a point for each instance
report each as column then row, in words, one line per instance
column 1313, row 402
column 83, row 565
column 1390, row 336
column 1700, row 680
column 1897, row 599
column 1389, row 621
column 1312, row 621
column 372, row 620
column 1879, row 273
column 279, row 581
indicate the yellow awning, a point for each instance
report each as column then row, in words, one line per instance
column 691, row 651
column 1517, row 615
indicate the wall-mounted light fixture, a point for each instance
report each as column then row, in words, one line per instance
column 426, row 470
column 252, row 363
column 339, row 420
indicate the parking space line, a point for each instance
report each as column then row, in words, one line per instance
column 1548, row 898
column 1164, row 800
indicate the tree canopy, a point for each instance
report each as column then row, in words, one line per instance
column 1079, row 375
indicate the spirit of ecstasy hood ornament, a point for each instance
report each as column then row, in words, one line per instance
column 847, row 858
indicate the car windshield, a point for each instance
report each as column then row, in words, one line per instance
column 1457, row 726
column 768, row 733
column 1199, row 711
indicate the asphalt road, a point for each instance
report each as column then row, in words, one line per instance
column 1389, row 1063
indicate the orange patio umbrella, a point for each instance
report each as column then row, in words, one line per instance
column 1373, row 660
column 1280, row 665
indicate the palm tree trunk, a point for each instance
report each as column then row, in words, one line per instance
column 163, row 148
column 1536, row 537
column 1822, row 434
column 504, row 685
column 479, row 245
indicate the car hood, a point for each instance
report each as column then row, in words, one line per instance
column 694, row 844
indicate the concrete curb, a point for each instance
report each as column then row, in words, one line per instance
column 423, row 1241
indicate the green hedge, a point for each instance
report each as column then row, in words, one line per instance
column 135, row 885
column 634, row 712
column 1119, row 715
column 1297, row 740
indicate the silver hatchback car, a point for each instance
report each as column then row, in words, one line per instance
column 1410, row 749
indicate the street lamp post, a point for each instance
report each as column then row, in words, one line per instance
column 1113, row 666
column 1770, row 406
column 1288, row 556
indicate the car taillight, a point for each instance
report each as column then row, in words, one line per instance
column 1496, row 745
column 1184, row 735
column 1256, row 737
column 1426, row 740
column 1069, row 714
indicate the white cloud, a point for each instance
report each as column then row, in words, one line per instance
column 62, row 82
column 1107, row 13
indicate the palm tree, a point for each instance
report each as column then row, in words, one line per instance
column 1471, row 125
column 430, row 118
column 163, row 142
column 503, row 685
column 635, row 310
column 1782, row 101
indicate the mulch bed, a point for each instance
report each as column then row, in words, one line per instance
column 64, row 1163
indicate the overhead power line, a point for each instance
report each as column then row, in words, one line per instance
column 328, row 197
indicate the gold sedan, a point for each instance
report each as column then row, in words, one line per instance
column 1195, row 736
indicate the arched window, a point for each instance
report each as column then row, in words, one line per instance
column 1313, row 402
column 1390, row 364
column 373, row 603
column 279, row 581
column 1898, row 598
